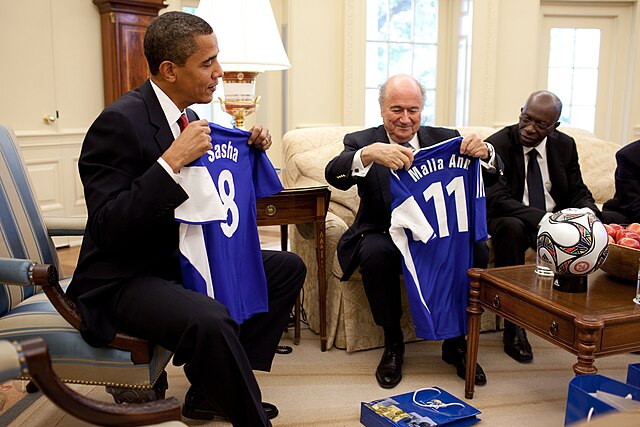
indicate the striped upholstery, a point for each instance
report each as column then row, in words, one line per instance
column 25, row 313
column 22, row 230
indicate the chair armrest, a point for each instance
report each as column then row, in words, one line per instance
column 22, row 272
column 36, row 361
column 65, row 226
column 18, row 272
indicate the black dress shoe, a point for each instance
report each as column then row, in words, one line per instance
column 389, row 371
column 516, row 344
column 457, row 356
column 198, row 407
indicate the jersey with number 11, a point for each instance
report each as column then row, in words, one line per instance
column 437, row 214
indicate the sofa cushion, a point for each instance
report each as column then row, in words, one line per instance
column 349, row 321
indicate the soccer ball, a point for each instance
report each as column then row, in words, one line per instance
column 572, row 242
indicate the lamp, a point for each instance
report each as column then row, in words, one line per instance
column 249, row 44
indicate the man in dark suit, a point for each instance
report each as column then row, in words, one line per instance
column 540, row 174
column 624, row 208
column 128, row 275
column 367, row 157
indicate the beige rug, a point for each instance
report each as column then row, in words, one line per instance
column 312, row 388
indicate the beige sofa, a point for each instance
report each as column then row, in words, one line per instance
column 350, row 325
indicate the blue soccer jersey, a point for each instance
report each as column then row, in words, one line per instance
column 437, row 213
column 219, row 244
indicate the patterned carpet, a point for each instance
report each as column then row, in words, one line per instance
column 316, row 389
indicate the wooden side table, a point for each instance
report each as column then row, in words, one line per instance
column 297, row 206
column 600, row 322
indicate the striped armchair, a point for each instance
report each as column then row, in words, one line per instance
column 33, row 303
column 32, row 357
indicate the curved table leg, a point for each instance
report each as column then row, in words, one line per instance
column 474, row 311
column 589, row 332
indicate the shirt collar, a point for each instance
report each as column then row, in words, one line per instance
column 415, row 144
column 171, row 112
column 541, row 148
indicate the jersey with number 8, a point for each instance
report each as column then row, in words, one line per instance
column 222, row 258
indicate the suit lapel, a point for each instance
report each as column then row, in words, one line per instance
column 517, row 153
column 164, row 136
column 424, row 139
column 552, row 164
column 382, row 173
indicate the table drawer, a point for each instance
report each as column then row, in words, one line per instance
column 531, row 316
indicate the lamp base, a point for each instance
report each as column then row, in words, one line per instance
column 239, row 110
column 239, row 93
column 570, row 284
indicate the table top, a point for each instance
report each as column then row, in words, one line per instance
column 606, row 297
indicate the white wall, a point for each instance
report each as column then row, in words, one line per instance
column 56, row 66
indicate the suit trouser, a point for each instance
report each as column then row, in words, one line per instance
column 218, row 355
column 380, row 267
column 510, row 238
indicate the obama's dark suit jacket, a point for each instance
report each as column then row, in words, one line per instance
column 130, row 200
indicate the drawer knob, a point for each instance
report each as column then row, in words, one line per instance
column 553, row 328
column 270, row 210
column 496, row 301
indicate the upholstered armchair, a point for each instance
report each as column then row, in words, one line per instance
column 31, row 358
column 33, row 302
column 350, row 325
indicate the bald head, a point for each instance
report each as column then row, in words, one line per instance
column 401, row 100
column 404, row 83
column 539, row 117
column 545, row 100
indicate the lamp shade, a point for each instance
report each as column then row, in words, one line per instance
column 247, row 34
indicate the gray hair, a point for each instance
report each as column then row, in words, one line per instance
column 383, row 87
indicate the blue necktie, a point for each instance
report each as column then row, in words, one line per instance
column 534, row 181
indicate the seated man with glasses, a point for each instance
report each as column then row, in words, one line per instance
column 540, row 174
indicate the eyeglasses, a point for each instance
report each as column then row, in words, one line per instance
column 540, row 127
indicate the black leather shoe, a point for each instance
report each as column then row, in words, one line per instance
column 197, row 407
column 389, row 371
column 457, row 356
column 516, row 344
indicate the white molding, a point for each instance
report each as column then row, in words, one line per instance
column 46, row 139
column 354, row 53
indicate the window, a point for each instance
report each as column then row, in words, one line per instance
column 401, row 37
column 463, row 83
column 574, row 54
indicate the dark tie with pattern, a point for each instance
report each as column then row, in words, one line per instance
column 534, row 181
column 183, row 122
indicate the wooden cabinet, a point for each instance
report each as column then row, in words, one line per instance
column 123, row 24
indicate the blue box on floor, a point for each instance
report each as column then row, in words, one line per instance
column 583, row 401
column 633, row 375
column 426, row 407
